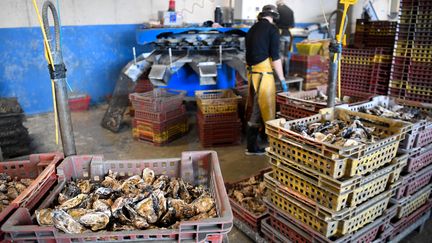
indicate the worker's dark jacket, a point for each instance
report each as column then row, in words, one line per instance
column 262, row 42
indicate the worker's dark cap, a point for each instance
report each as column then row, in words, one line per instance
column 269, row 10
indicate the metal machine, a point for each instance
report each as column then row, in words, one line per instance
column 203, row 51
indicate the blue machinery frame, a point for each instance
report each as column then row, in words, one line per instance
column 186, row 78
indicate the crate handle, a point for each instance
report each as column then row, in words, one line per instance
column 310, row 107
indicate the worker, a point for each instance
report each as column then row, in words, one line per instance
column 286, row 19
column 262, row 56
column 285, row 23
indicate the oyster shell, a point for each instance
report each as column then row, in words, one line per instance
column 84, row 186
column 44, row 216
column 161, row 182
column 76, row 213
column 148, row 176
column 148, row 208
column 95, row 220
column 73, row 202
column 182, row 209
column 66, row 223
column 138, row 221
column 204, row 203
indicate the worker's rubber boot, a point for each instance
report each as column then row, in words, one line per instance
column 252, row 145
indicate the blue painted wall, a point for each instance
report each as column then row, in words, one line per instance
column 94, row 56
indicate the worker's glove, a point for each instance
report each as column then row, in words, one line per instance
column 284, row 86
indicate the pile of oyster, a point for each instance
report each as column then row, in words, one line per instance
column 10, row 188
column 398, row 112
column 341, row 133
column 249, row 194
column 138, row 202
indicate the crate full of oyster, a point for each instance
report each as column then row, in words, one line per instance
column 158, row 199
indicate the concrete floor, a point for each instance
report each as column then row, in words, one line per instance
column 91, row 138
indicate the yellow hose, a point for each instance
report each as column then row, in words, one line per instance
column 49, row 58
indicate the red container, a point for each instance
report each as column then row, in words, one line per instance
column 241, row 213
column 41, row 168
column 279, row 228
column 219, row 134
column 413, row 182
column 150, row 116
column 217, row 117
column 402, row 224
column 157, row 100
column 419, row 158
column 201, row 167
column 79, row 103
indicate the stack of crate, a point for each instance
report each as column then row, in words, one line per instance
column 412, row 73
column 366, row 70
column 313, row 70
column 160, row 116
column 324, row 193
column 374, row 34
column 217, row 117
column 14, row 137
column 415, row 150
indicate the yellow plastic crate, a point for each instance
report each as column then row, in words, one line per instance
column 330, row 160
column 166, row 135
column 382, row 58
column 217, row 101
column 342, row 223
column 363, row 60
column 308, row 48
column 409, row 204
column 331, row 193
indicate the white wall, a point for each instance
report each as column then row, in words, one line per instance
column 307, row 11
column 20, row 13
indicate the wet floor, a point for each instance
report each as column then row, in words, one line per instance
column 91, row 138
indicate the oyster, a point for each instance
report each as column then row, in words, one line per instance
column 12, row 193
column 121, row 227
column 129, row 186
column 44, row 216
column 20, row 187
column 148, row 208
column 95, row 220
column 26, row 182
column 182, row 209
column 203, row 204
column 84, row 186
column 183, row 192
column 76, row 213
column 148, row 176
column 66, row 223
column 126, row 204
column 169, row 218
column 161, row 182
column 73, row 202
column 138, row 221
column 102, row 205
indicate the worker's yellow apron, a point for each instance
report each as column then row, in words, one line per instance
column 261, row 79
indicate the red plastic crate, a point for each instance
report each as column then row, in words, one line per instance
column 41, row 168
column 219, row 134
column 157, row 100
column 296, row 231
column 241, row 213
column 400, row 225
column 419, row 158
column 79, row 103
column 159, row 116
column 217, row 117
column 201, row 167
column 413, row 182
